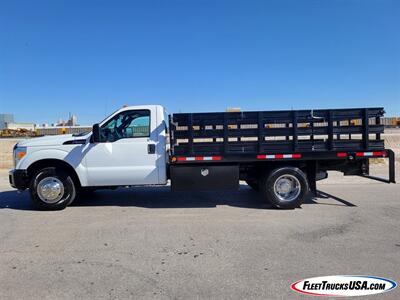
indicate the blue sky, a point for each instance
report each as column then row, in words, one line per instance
column 91, row 57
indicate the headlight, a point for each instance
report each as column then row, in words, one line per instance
column 19, row 153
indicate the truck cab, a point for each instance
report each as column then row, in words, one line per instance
column 129, row 149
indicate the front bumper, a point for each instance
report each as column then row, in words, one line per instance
column 18, row 179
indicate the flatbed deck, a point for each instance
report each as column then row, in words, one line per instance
column 241, row 135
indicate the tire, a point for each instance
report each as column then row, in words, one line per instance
column 254, row 184
column 285, row 187
column 52, row 189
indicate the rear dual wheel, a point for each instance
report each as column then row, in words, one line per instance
column 285, row 187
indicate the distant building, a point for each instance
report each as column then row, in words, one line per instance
column 53, row 130
column 72, row 121
column 16, row 126
column 61, row 127
column 233, row 109
column 5, row 118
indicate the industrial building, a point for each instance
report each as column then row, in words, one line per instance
column 9, row 128
column 4, row 119
column 53, row 130
column 19, row 125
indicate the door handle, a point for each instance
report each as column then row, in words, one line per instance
column 151, row 148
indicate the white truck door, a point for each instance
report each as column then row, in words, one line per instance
column 126, row 155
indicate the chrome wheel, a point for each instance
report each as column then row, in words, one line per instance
column 50, row 190
column 287, row 187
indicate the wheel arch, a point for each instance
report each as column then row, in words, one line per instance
column 57, row 163
column 256, row 170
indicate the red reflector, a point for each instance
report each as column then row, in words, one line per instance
column 341, row 154
column 278, row 155
column 181, row 158
column 260, row 156
column 296, row 155
column 198, row 158
column 375, row 153
column 216, row 157
column 379, row 153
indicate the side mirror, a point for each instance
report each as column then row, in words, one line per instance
column 96, row 133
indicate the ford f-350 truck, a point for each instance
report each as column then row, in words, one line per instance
column 281, row 154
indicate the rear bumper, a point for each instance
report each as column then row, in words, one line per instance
column 18, row 179
column 392, row 171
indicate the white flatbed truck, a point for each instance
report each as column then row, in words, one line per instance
column 279, row 153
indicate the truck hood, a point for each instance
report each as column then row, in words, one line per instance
column 54, row 140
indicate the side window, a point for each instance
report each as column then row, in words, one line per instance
column 127, row 124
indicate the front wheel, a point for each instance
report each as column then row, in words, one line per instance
column 52, row 189
column 285, row 187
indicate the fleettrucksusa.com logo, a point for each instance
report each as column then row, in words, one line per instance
column 343, row 285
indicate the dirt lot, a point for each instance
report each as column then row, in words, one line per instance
column 151, row 243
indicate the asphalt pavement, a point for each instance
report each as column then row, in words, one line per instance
column 150, row 243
